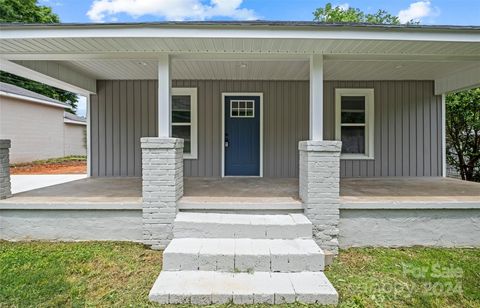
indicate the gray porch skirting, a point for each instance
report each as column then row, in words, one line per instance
column 456, row 226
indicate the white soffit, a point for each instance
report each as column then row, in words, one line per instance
column 392, row 70
column 272, row 69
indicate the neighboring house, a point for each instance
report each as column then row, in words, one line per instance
column 38, row 126
column 74, row 135
column 225, row 122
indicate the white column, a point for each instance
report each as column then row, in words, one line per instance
column 444, row 138
column 89, row 147
column 164, row 86
column 316, row 97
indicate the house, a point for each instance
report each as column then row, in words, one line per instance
column 38, row 126
column 252, row 151
column 74, row 135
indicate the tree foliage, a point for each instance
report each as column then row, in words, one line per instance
column 334, row 14
column 463, row 133
column 52, row 92
column 29, row 11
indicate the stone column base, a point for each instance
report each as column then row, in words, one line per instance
column 5, row 185
column 319, row 180
column 162, row 186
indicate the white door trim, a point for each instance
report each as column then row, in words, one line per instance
column 222, row 140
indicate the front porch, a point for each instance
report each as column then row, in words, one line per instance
column 373, row 212
column 437, row 190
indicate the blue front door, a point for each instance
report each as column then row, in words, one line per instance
column 242, row 135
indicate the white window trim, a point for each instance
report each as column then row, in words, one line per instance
column 369, row 120
column 192, row 92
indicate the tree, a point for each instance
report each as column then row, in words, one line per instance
column 333, row 14
column 463, row 133
column 52, row 92
column 28, row 11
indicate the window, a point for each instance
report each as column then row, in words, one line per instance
column 184, row 119
column 242, row 109
column 354, row 122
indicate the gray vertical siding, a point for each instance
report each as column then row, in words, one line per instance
column 121, row 113
column 407, row 126
column 284, row 103
column 407, row 138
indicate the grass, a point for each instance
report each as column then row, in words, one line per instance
column 407, row 277
column 58, row 160
column 39, row 274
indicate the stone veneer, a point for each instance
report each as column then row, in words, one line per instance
column 319, row 179
column 5, row 186
column 162, row 176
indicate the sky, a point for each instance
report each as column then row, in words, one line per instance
column 440, row 12
column 444, row 12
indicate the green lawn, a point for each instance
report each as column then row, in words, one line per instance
column 120, row 274
column 57, row 160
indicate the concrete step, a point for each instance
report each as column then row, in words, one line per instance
column 208, row 287
column 243, row 255
column 240, row 203
column 256, row 226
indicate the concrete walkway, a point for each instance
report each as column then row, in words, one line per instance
column 21, row 183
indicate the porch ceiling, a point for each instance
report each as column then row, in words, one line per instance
column 256, row 51
column 232, row 69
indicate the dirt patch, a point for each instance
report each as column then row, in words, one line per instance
column 69, row 167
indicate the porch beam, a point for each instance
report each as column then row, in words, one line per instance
column 164, row 104
column 403, row 58
column 227, row 56
column 53, row 74
column 316, row 97
column 463, row 80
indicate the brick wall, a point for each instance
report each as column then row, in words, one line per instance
column 5, row 188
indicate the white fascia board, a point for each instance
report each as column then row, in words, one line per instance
column 32, row 99
column 45, row 77
column 178, row 56
column 463, row 80
column 126, row 31
column 74, row 122
column 227, row 56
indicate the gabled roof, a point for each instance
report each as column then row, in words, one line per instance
column 73, row 119
column 11, row 90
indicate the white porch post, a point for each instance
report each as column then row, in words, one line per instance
column 444, row 138
column 162, row 169
column 316, row 97
column 164, row 86
column 319, row 174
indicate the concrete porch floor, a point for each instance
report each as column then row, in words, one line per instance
column 241, row 187
column 351, row 190
column 111, row 190
column 408, row 189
